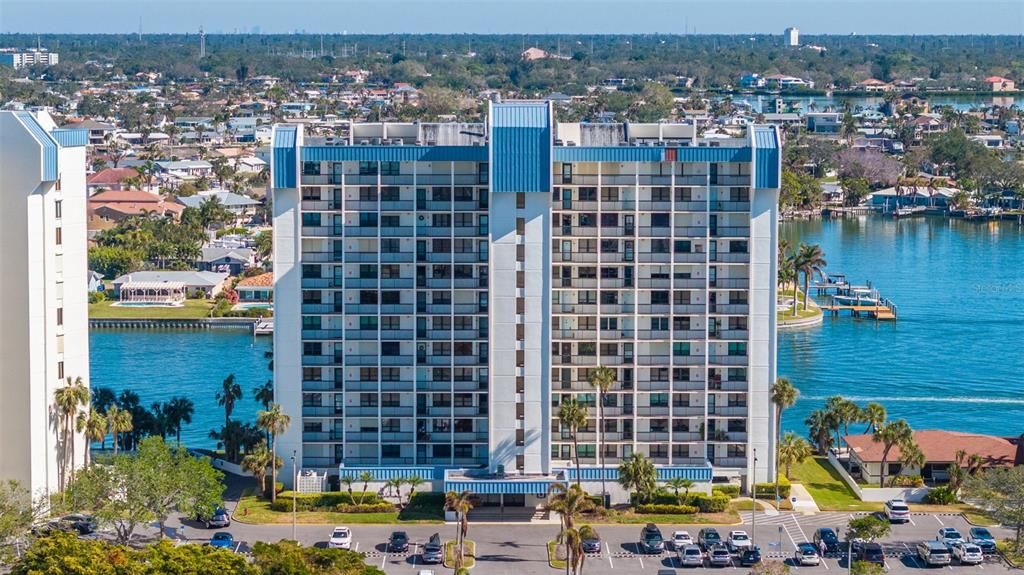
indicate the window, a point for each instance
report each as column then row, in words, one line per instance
column 367, row 168
column 390, row 194
column 391, row 322
column 737, row 348
column 367, row 219
column 442, row 220
column 439, row 194
column 609, row 194
column 367, row 374
column 58, row 208
column 390, row 246
column 59, row 235
column 586, row 450
column 587, row 194
column 390, row 221
column 520, row 226
column 659, row 220
column 310, row 168
column 680, row 348
column 390, row 297
column 609, row 246
column 60, row 316
column 659, row 298
column 368, row 297
column 659, row 400
column 60, row 370
column 368, row 322
column 482, row 172
column 389, row 168
column 520, row 200
column 520, row 252
column 390, row 348
column 390, row 399
column 683, row 246
column 367, row 194
column 311, row 348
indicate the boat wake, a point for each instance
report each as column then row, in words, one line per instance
column 883, row 400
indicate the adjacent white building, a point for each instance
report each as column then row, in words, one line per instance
column 17, row 58
column 792, row 36
column 44, row 319
column 442, row 289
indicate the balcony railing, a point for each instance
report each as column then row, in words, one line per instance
column 728, row 359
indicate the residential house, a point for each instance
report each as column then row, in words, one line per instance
column 256, row 288
column 109, row 179
column 889, row 198
column 193, row 122
column 186, row 168
column 116, row 205
column 939, row 449
column 824, row 122
column 873, row 85
column 250, row 165
column 1000, row 84
column 752, row 81
column 784, row 82
column 98, row 131
column 235, row 203
column 231, row 260
column 994, row 141
column 201, row 284
column 926, row 124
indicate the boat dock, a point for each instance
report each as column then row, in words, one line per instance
column 857, row 300
column 878, row 312
column 263, row 326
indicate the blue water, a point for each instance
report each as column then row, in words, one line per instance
column 955, row 357
column 161, row 364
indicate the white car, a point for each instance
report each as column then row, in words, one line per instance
column 949, row 536
column 341, row 538
column 897, row 511
column 967, row 553
column 739, row 541
column 681, row 539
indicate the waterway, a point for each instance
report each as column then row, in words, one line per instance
column 954, row 359
column 965, row 102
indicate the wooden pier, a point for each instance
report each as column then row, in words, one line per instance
column 878, row 312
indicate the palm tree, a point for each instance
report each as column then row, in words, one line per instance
column 784, row 396
column 892, row 434
column 66, row 401
column 910, row 456
column 819, row 430
column 637, row 473
column 347, row 481
column 461, row 504
column 573, row 415
column 94, row 426
column 811, row 259
column 274, row 422
column 230, row 393
column 574, row 539
column 413, row 481
column 874, row 415
column 394, row 486
column 159, row 424
column 265, row 394
column 179, row 412
column 601, row 378
column 793, row 449
column 118, row 421
column 568, row 504
column 103, row 398
column 365, row 478
column 255, row 462
column 677, row 483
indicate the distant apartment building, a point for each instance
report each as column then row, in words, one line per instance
column 44, row 324
column 792, row 36
column 19, row 58
column 442, row 289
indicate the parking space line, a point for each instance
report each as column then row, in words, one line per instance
column 637, row 547
column 384, row 560
column 357, row 546
column 608, row 552
column 414, row 545
column 913, row 556
column 911, row 519
column 937, row 519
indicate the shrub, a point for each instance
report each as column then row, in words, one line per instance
column 97, row 296
column 381, row 507
column 662, row 509
column 767, row 490
column 462, row 571
column 715, row 503
column 727, row 489
column 658, row 497
column 907, row 481
column 313, row 501
column 940, row 496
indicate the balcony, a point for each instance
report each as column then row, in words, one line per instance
column 688, row 386
column 688, row 410
column 321, row 283
column 321, row 462
column 574, row 231
column 731, row 283
column 652, row 334
column 396, row 283
column 321, row 385
column 728, row 410
column 715, row 385
column 618, row 231
column 654, row 308
column 655, row 205
column 324, row 308
column 618, row 206
column 316, row 436
column 691, row 180
column 691, row 206
column 653, row 385
column 729, row 462
column 654, row 257
column 727, row 180
column 574, row 308
column 729, row 308
column 731, row 257
column 691, row 232
column 688, row 360
column 654, row 180
column 686, row 436
column 652, row 436
column 731, row 232
column 322, row 257
column 689, row 257
column 396, row 232
column 688, row 308
column 469, row 231
column 578, row 257
column 730, row 334
column 361, row 231
column 654, row 283
column 321, row 360
column 470, row 436
column 434, row 232
column 617, row 334
column 688, row 334
column 618, row 411
column 397, row 205
column 655, row 232
column 321, row 411
column 575, row 359
column 322, row 334
column 728, row 360
column 396, row 257
column 727, row 206
column 321, row 231
column 653, row 360
column 615, row 308
column 585, row 334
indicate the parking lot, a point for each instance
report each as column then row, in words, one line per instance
column 518, row 549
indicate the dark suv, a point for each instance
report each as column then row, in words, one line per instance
column 651, row 539
column 872, row 553
column 398, row 542
column 828, row 535
column 708, row 538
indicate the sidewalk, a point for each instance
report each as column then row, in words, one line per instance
column 802, row 500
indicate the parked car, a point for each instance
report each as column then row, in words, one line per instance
column 738, row 541
column 872, row 553
column 680, row 539
column 341, row 538
column 897, row 511
column 218, row 518
column 433, row 551
column 690, row 556
column 949, row 536
column 968, row 553
column 84, row 524
column 222, row 540
column 708, row 538
column 982, row 538
column 750, row 557
column 934, row 553
column 651, row 540
column 719, row 556
column 806, row 554
column 398, row 542
column 592, row 545
column 828, row 535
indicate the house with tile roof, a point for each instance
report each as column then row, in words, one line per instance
column 110, row 179
column 116, row 205
column 1000, row 84
column 259, row 288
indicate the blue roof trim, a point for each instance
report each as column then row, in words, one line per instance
column 766, row 157
column 500, row 487
column 384, row 473
column 46, row 141
column 394, row 153
column 693, row 473
column 520, row 147
column 650, row 154
column 283, row 160
column 71, row 137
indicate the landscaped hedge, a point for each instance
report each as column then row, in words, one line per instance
column 709, row 504
column 381, row 507
column 314, row 501
column 907, row 481
column 728, row 489
column 940, row 496
column 715, row 503
column 767, row 490
column 663, row 509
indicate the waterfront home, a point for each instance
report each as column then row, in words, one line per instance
column 1000, row 84
column 824, row 122
column 231, row 260
column 98, row 131
column 202, row 284
column 939, row 449
column 873, row 85
column 256, row 289
column 938, row 197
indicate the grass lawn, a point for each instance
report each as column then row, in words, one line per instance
column 784, row 315
column 827, row 488
column 553, row 560
column 729, row 517
column 469, row 554
column 1016, row 557
column 193, row 309
column 252, row 509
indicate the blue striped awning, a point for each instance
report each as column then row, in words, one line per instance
column 650, row 154
column 693, row 473
column 383, row 473
column 394, row 153
column 49, row 146
column 500, row 486
column 520, row 147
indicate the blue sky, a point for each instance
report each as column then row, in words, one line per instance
column 516, row 16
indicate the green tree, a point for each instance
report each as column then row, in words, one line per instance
column 637, row 473
column 118, row 421
column 93, row 426
column 867, row 528
column 166, row 558
column 793, row 449
column 866, row 568
column 19, row 511
column 114, row 261
column 67, row 403
column 811, row 259
column 265, row 394
column 573, row 415
column 66, row 554
column 290, row 558
column 677, row 483
column 179, row 412
column 460, row 503
column 365, row 478
column 892, row 434
column 413, row 481
column 855, row 190
column 874, row 415
column 230, row 392
column 1002, row 491
column 784, row 396
column 819, row 430
column 256, row 463
column 601, row 378
column 656, row 103
column 274, row 421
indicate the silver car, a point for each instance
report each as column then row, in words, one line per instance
column 690, row 556
column 967, row 553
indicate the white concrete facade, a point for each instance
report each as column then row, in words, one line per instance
column 44, row 322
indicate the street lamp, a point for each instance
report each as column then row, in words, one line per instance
column 295, row 485
column 753, row 506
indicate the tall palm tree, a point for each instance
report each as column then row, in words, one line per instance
column 568, row 504
column 413, row 481
column 94, row 426
column 118, row 421
column 67, row 400
column 180, row 410
column 793, row 449
column 230, row 393
column 461, row 504
column 637, row 473
column 574, row 539
column 573, row 414
column 892, row 434
column 265, row 394
column 103, row 398
column 256, row 462
column 784, row 396
column 811, row 259
column 601, row 378
column 274, row 421
column 347, row 481
column 677, row 483
column 819, row 430
column 365, row 478
column 874, row 415
column 159, row 425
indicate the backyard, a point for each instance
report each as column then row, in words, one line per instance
column 193, row 309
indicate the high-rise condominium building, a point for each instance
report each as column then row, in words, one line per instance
column 16, row 58
column 792, row 36
column 442, row 290
column 44, row 320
